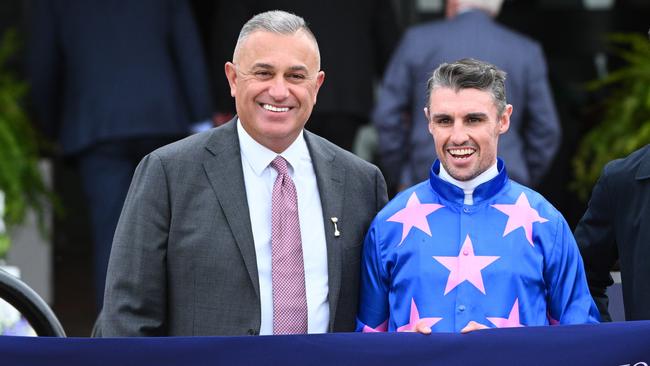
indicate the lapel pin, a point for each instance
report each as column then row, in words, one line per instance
column 337, row 233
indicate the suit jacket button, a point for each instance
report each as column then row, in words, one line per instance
column 252, row 332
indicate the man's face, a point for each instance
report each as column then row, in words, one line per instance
column 465, row 128
column 275, row 80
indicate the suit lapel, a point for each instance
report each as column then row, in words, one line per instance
column 226, row 177
column 644, row 168
column 331, row 185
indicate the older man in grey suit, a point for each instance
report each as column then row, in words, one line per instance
column 196, row 250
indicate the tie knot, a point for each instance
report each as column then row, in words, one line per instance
column 280, row 165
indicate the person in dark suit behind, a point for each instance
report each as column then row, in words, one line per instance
column 355, row 39
column 194, row 251
column 114, row 80
column 405, row 147
column 616, row 226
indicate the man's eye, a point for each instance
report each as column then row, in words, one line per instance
column 443, row 121
column 263, row 74
column 296, row 76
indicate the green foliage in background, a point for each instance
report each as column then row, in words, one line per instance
column 625, row 126
column 20, row 178
column 4, row 244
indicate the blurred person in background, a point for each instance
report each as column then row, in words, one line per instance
column 616, row 227
column 112, row 81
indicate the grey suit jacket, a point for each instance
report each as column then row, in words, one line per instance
column 183, row 258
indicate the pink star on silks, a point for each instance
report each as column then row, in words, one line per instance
column 512, row 321
column 414, row 215
column 521, row 215
column 466, row 266
column 380, row 328
column 415, row 318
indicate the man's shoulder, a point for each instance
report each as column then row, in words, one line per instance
column 429, row 32
column 419, row 30
column 516, row 189
column 206, row 142
column 183, row 146
column 515, row 36
column 421, row 191
column 421, row 38
column 337, row 154
column 637, row 164
column 519, row 194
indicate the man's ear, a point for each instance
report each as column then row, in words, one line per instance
column 320, row 79
column 231, row 75
column 426, row 115
column 504, row 120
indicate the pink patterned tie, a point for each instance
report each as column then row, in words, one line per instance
column 287, row 269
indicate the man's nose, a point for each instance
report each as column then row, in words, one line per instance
column 279, row 89
column 459, row 133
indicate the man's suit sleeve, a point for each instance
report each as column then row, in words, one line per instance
column 390, row 116
column 542, row 131
column 380, row 190
column 135, row 297
column 597, row 243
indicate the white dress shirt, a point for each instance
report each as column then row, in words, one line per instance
column 259, row 178
column 469, row 186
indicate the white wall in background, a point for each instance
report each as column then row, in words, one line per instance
column 31, row 251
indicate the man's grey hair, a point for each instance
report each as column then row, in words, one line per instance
column 274, row 21
column 491, row 6
column 470, row 74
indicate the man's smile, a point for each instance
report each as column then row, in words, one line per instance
column 273, row 108
column 461, row 152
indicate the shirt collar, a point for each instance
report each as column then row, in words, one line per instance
column 259, row 156
column 482, row 191
column 471, row 184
